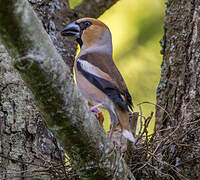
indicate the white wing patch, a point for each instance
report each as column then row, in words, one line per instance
column 86, row 66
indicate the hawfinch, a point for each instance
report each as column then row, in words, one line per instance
column 97, row 77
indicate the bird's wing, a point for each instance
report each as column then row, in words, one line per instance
column 102, row 81
column 109, row 71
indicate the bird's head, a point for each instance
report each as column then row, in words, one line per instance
column 90, row 33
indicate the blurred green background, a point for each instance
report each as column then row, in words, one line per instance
column 137, row 27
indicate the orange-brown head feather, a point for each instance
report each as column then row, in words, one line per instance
column 98, row 34
column 92, row 35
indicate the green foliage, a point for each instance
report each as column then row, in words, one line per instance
column 137, row 27
column 74, row 3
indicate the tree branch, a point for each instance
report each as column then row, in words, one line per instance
column 91, row 8
column 59, row 101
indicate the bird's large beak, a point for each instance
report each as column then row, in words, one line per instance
column 72, row 29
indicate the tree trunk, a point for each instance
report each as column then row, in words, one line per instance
column 178, row 92
column 28, row 149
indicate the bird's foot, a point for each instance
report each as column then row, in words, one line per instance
column 94, row 108
column 98, row 114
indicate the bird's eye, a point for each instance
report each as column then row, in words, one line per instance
column 87, row 23
column 84, row 25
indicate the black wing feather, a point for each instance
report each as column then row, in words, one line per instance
column 129, row 99
column 104, row 85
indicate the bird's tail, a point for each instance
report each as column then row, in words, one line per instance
column 123, row 116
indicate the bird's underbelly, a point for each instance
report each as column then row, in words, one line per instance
column 92, row 93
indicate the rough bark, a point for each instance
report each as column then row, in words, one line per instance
column 179, row 89
column 60, row 103
column 28, row 149
column 91, row 8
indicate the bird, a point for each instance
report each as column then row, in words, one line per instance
column 97, row 76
